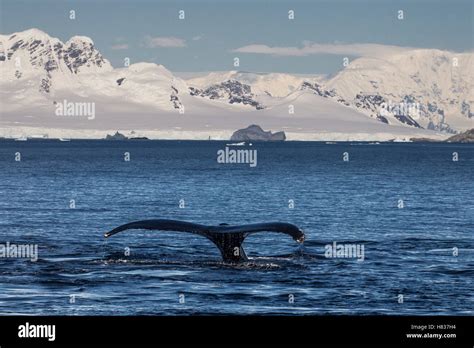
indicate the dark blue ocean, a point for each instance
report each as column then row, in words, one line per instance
column 419, row 259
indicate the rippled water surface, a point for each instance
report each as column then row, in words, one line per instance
column 408, row 251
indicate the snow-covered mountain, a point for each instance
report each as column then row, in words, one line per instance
column 263, row 84
column 39, row 72
column 44, row 69
column 439, row 85
column 427, row 88
column 33, row 54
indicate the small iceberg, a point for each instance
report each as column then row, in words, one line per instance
column 401, row 140
column 237, row 144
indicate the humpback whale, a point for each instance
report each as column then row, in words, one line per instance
column 227, row 238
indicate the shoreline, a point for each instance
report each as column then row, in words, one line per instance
column 229, row 143
column 216, row 135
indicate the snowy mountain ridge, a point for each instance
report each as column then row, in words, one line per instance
column 439, row 84
column 39, row 71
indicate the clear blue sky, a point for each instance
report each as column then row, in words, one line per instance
column 218, row 27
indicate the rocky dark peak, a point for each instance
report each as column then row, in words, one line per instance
column 373, row 103
column 317, row 89
column 369, row 101
column 232, row 90
column 228, row 88
column 81, row 53
column 174, row 98
column 407, row 120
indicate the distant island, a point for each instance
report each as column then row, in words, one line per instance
column 256, row 133
column 120, row 136
column 116, row 136
column 466, row 137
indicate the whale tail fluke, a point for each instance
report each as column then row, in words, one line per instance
column 227, row 238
